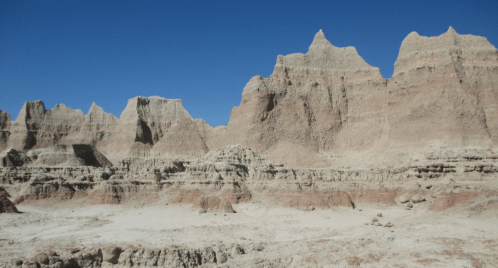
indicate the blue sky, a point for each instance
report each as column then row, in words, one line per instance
column 203, row 52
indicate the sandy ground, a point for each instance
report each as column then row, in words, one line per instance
column 320, row 238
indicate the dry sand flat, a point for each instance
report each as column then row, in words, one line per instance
column 286, row 237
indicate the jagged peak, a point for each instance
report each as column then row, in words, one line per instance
column 320, row 42
column 322, row 54
column 97, row 114
column 154, row 106
column 95, row 109
column 33, row 109
column 416, row 43
column 451, row 30
column 62, row 108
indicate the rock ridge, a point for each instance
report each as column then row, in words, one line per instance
column 328, row 102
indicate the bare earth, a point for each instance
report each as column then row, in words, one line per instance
column 288, row 237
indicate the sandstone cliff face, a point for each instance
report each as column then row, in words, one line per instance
column 35, row 127
column 327, row 99
column 443, row 92
column 147, row 127
column 330, row 101
column 98, row 129
column 156, row 127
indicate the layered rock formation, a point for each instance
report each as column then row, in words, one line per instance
column 327, row 109
column 328, row 99
column 147, row 127
column 235, row 174
column 443, row 92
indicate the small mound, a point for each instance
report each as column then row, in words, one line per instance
column 6, row 206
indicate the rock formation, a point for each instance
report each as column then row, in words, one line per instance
column 325, row 130
column 6, row 206
column 328, row 99
column 442, row 92
column 303, row 134
column 138, row 132
column 171, row 256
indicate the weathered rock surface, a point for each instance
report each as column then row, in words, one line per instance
column 147, row 127
column 315, row 107
column 13, row 158
column 69, row 155
column 324, row 130
column 130, row 256
column 317, row 115
column 235, row 174
column 6, row 206
column 442, row 92
column 327, row 99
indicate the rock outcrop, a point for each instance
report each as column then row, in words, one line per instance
column 147, row 127
column 6, row 206
column 69, row 155
column 234, row 174
column 13, row 158
column 324, row 130
column 328, row 99
column 315, row 107
column 129, row 256
column 442, row 92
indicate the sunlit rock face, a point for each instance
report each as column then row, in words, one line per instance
column 328, row 99
column 444, row 93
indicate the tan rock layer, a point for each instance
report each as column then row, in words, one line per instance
column 147, row 127
column 235, row 174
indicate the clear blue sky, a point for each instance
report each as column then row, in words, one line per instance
column 203, row 52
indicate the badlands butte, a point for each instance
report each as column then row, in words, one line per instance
column 323, row 164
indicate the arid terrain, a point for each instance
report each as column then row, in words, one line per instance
column 323, row 164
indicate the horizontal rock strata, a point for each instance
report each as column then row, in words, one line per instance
column 235, row 174
column 324, row 130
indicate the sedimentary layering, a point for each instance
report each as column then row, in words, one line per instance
column 328, row 101
column 444, row 93
column 151, row 126
column 324, row 130
column 326, row 108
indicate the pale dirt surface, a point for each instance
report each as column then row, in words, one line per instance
column 320, row 238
